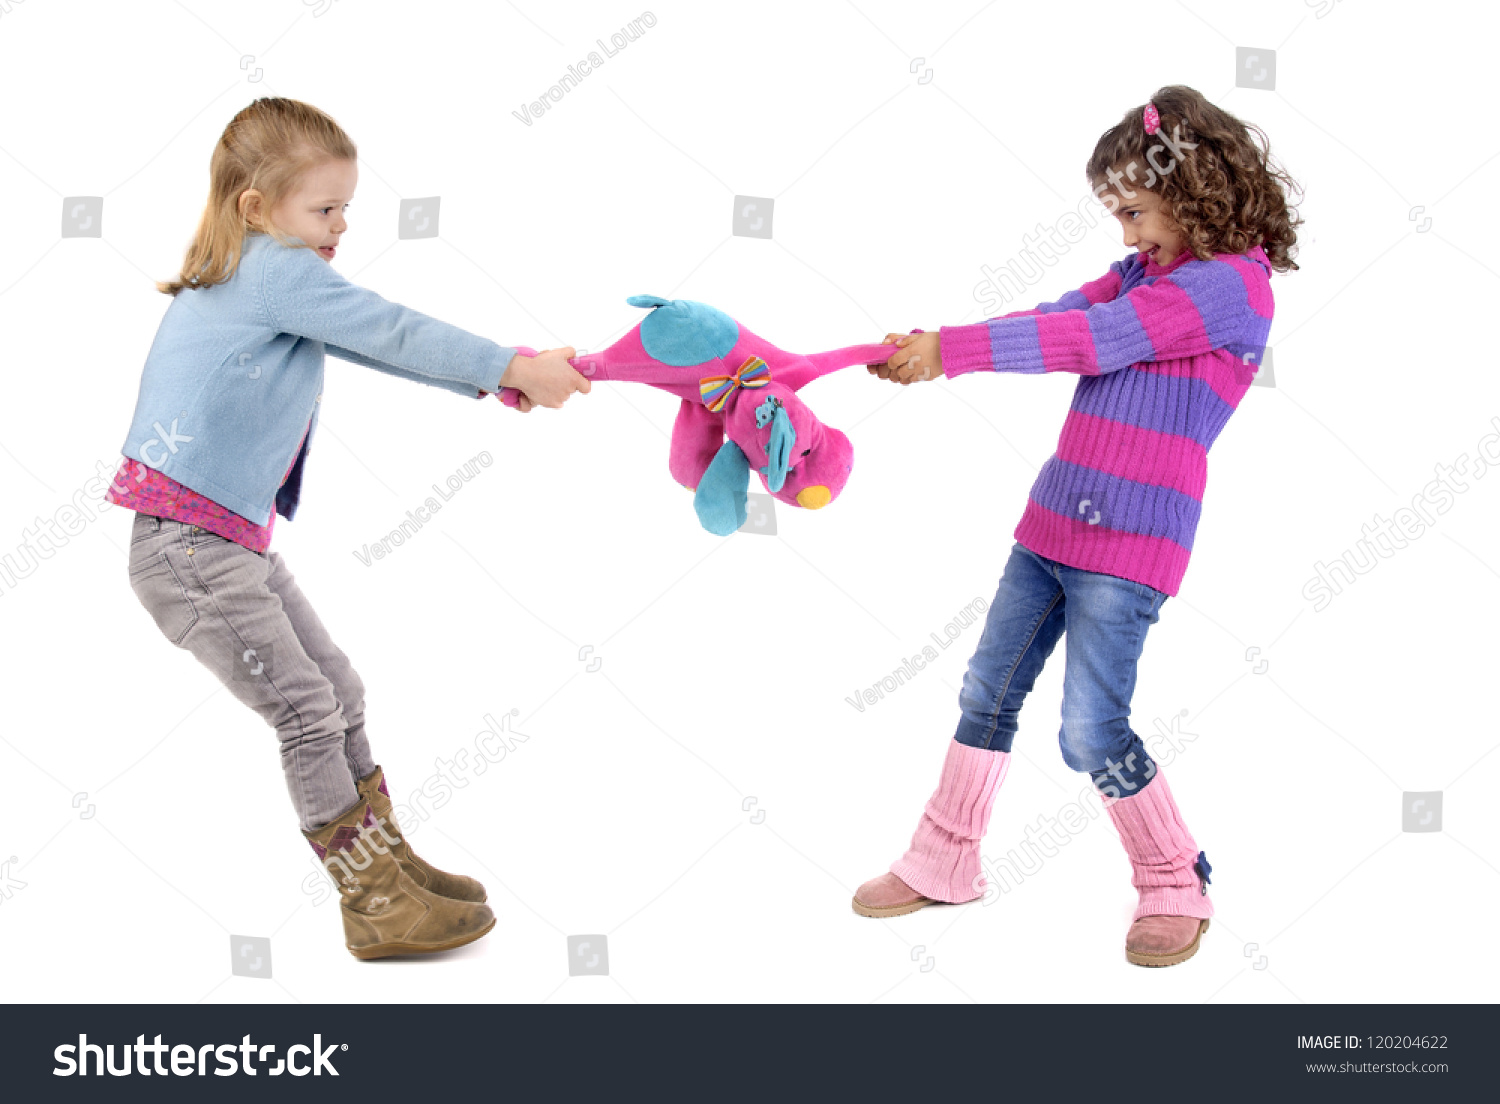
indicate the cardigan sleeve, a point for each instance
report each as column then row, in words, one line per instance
column 303, row 295
column 1201, row 306
column 394, row 370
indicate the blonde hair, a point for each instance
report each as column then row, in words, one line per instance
column 267, row 146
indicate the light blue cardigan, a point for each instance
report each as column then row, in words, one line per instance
column 235, row 375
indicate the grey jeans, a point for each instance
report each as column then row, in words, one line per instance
column 241, row 615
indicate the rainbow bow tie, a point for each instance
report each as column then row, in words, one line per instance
column 716, row 390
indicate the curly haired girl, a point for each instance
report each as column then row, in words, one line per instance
column 1166, row 344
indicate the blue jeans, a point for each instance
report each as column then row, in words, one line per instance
column 1106, row 619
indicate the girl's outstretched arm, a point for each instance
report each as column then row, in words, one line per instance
column 1202, row 306
column 1102, row 290
column 381, row 366
column 302, row 294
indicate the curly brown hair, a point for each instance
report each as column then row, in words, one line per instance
column 1218, row 182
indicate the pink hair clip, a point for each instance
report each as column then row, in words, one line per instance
column 1151, row 119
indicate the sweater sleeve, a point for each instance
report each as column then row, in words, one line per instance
column 304, row 295
column 1201, row 306
column 1102, row 290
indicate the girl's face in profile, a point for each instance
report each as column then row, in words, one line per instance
column 1148, row 228
column 314, row 210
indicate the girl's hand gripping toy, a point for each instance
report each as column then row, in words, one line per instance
column 732, row 384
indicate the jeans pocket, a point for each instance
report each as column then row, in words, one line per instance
column 160, row 591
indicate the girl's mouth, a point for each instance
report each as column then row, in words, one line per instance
column 327, row 251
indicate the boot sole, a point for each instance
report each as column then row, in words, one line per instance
column 387, row 950
column 891, row 910
column 1172, row 959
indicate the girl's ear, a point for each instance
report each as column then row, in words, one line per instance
column 250, row 204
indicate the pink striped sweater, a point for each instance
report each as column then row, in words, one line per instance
column 1165, row 353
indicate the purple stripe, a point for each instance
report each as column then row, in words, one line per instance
column 1014, row 345
column 1251, row 338
column 1257, row 329
column 1178, row 405
column 1218, row 294
column 1134, row 273
column 1071, row 300
column 1240, row 349
column 1119, row 337
column 1123, row 505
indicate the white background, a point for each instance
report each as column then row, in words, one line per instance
column 630, row 808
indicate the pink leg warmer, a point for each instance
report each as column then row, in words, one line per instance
column 1162, row 852
column 943, row 860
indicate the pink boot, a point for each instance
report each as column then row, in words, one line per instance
column 942, row 863
column 1169, row 873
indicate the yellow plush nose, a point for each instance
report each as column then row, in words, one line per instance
column 814, row 498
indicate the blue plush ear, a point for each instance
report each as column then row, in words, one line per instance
column 683, row 333
column 779, row 451
column 721, row 499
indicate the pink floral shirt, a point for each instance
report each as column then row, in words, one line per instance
column 147, row 491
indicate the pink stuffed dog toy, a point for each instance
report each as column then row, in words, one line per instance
column 732, row 384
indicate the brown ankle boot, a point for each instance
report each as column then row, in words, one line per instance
column 384, row 911
column 888, row 895
column 456, row 886
column 1164, row 940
